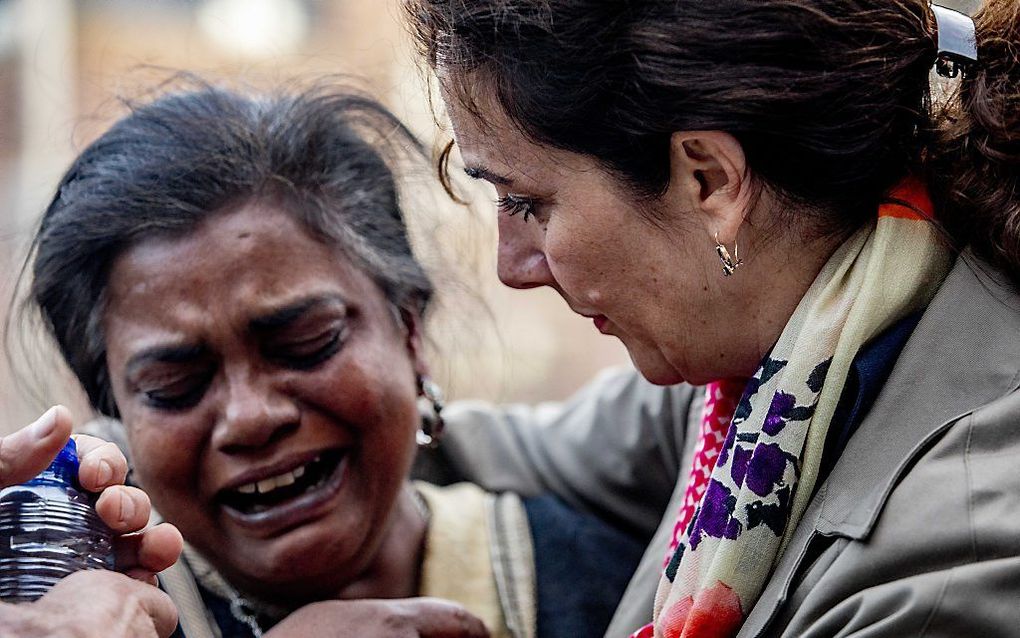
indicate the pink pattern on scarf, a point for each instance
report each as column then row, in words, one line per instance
column 721, row 399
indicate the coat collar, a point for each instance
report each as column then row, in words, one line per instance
column 964, row 353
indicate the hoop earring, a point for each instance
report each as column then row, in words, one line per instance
column 729, row 264
column 430, row 406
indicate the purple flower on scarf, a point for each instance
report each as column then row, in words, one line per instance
column 783, row 411
column 739, row 468
column 715, row 518
column 766, row 468
column 782, row 403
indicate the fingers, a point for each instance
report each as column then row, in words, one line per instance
column 28, row 451
column 85, row 599
column 419, row 617
column 142, row 575
column 124, row 509
column 160, row 608
column 101, row 463
column 149, row 552
column 437, row 618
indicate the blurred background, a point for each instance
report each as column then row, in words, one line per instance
column 66, row 65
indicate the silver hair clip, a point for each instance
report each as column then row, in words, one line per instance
column 957, row 42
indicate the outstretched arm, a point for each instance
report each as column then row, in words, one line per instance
column 613, row 449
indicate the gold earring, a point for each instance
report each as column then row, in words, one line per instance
column 729, row 264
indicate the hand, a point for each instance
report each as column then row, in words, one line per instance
column 102, row 469
column 29, row 450
column 397, row 618
column 92, row 604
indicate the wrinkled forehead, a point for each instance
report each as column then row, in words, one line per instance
column 233, row 266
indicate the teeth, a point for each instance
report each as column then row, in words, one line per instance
column 269, row 484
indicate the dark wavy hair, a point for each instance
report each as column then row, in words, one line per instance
column 327, row 154
column 830, row 99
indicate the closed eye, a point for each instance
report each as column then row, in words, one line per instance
column 515, row 205
column 179, row 394
column 306, row 354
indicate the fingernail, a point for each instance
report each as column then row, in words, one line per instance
column 105, row 472
column 127, row 509
column 44, row 425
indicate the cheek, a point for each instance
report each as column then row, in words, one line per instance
column 165, row 461
column 373, row 395
column 386, row 414
column 383, row 411
column 586, row 267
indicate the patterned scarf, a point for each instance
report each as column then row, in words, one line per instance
column 765, row 473
column 721, row 399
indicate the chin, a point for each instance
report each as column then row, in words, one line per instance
column 662, row 378
column 655, row 369
column 301, row 565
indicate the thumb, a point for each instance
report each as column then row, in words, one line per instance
column 28, row 451
column 437, row 618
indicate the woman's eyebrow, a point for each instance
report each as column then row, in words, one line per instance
column 480, row 172
column 285, row 315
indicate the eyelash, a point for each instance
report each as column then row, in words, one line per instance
column 181, row 401
column 193, row 396
column 319, row 355
column 514, row 205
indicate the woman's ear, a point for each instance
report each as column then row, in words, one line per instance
column 708, row 169
column 412, row 323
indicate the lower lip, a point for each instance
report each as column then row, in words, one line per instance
column 601, row 321
column 297, row 511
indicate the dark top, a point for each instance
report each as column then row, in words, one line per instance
column 867, row 375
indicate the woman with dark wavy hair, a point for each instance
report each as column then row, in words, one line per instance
column 762, row 199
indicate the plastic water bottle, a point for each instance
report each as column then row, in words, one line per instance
column 49, row 529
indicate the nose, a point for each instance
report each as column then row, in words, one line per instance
column 521, row 260
column 255, row 414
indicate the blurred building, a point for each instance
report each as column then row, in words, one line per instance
column 65, row 66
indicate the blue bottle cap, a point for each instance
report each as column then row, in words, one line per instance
column 66, row 463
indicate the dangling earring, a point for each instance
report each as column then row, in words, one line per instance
column 729, row 264
column 430, row 405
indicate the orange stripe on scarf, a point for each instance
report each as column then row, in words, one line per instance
column 914, row 202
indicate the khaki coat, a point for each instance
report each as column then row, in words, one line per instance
column 915, row 532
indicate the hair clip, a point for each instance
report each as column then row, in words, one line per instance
column 957, row 42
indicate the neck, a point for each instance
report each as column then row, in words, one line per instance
column 786, row 272
column 764, row 294
column 396, row 570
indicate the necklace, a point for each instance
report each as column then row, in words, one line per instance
column 245, row 610
column 242, row 611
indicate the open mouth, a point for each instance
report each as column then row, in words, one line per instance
column 260, row 496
